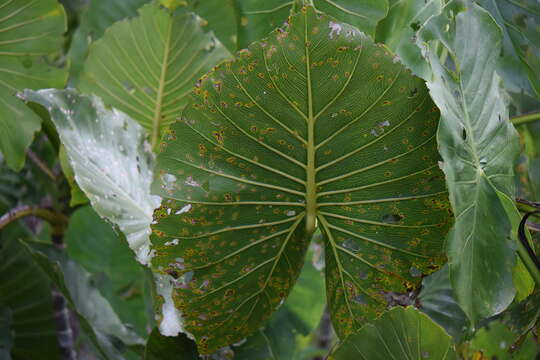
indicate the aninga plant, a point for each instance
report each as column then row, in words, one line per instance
column 313, row 128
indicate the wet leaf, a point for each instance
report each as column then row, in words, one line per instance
column 257, row 18
column 112, row 165
column 398, row 31
column 479, row 147
column 30, row 32
column 315, row 125
column 401, row 333
column 146, row 66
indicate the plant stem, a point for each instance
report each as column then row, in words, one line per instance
column 526, row 118
column 41, row 165
column 529, row 264
column 525, row 251
column 57, row 220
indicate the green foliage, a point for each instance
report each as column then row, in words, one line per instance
column 257, row 18
column 408, row 334
column 30, row 35
column 146, row 66
column 249, row 161
column 312, row 137
column 112, row 165
column 479, row 147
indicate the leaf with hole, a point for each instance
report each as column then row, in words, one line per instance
column 314, row 126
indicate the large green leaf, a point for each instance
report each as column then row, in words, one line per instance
column 401, row 333
column 30, row 31
column 146, row 67
column 315, row 125
column 120, row 278
column 161, row 347
column 25, row 303
column 94, row 20
column 479, row 147
column 258, row 17
column 497, row 341
column 397, row 30
column 520, row 57
column 112, row 165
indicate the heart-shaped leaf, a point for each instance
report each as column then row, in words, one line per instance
column 146, row 67
column 315, row 126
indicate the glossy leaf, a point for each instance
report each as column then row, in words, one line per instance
column 316, row 124
column 161, row 347
column 30, row 31
column 26, row 304
column 479, row 147
column 519, row 62
column 401, row 333
column 146, row 67
column 94, row 20
column 96, row 316
column 397, row 31
column 257, row 18
column 120, row 278
column 437, row 300
column 112, row 164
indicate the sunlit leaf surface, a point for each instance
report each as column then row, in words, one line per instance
column 315, row 126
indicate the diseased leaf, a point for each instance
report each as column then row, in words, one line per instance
column 161, row 347
column 26, row 304
column 286, row 335
column 401, row 333
column 96, row 316
column 479, row 147
column 30, row 31
column 257, row 18
column 112, row 164
column 519, row 61
column 315, row 125
column 437, row 300
column 398, row 29
column 146, row 66
column 94, row 20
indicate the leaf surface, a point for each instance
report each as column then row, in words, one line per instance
column 146, row 66
column 30, row 32
column 315, row 125
column 258, row 17
column 112, row 164
column 479, row 147
column 401, row 333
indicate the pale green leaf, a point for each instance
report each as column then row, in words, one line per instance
column 30, row 32
column 146, row 66
column 479, row 147
column 401, row 333
column 257, row 18
column 314, row 126
column 112, row 164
